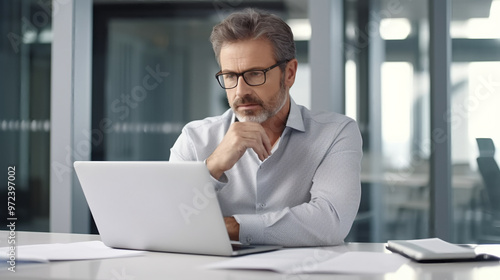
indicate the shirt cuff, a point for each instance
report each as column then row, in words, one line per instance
column 251, row 229
column 219, row 184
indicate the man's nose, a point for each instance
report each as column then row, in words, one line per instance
column 242, row 88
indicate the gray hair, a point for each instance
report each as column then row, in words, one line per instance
column 253, row 24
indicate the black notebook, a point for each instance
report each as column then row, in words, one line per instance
column 436, row 250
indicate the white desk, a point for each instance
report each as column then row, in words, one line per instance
column 182, row 266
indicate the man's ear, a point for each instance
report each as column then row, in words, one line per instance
column 290, row 72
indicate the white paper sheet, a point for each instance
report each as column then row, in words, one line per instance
column 68, row 251
column 296, row 261
column 361, row 263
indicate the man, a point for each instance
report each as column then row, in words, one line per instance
column 283, row 174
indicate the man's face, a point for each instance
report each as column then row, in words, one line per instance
column 253, row 103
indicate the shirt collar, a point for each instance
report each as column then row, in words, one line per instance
column 294, row 120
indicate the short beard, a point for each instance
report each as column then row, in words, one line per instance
column 267, row 112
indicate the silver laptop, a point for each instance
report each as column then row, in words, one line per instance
column 157, row 206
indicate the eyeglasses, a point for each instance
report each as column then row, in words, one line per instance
column 251, row 77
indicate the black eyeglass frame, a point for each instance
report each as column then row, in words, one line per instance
column 243, row 75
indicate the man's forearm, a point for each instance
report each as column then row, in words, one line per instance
column 233, row 228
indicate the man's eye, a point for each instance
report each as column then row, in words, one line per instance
column 255, row 73
column 230, row 76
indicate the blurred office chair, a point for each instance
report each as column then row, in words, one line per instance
column 488, row 167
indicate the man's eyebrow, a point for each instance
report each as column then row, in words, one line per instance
column 249, row 69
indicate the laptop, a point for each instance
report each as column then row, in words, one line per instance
column 158, row 206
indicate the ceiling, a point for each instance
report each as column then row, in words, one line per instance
column 411, row 9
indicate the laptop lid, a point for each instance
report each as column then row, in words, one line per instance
column 156, row 206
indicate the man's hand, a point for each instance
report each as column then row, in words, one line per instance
column 239, row 137
column 233, row 228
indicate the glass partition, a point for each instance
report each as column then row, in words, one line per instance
column 25, row 62
column 387, row 91
column 473, row 117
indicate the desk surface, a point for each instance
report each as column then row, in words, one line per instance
column 183, row 266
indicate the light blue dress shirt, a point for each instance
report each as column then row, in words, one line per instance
column 306, row 193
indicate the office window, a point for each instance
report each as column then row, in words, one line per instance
column 387, row 92
column 155, row 82
column 397, row 89
column 475, row 98
column 25, row 53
